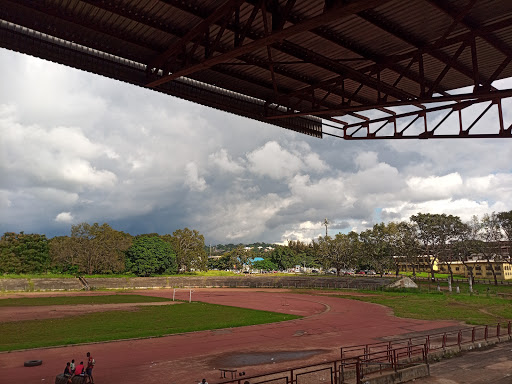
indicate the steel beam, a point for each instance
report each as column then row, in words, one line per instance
column 353, row 131
column 480, row 95
column 334, row 13
column 379, row 22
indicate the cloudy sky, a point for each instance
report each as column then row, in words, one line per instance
column 76, row 147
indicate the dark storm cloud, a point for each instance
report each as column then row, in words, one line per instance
column 76, row 147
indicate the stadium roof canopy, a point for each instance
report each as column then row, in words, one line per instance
column 298, row 64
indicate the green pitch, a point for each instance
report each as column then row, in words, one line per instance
column 146, row 321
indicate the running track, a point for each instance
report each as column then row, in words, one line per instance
column 329, row 323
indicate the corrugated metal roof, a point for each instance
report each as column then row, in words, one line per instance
column 362, row 52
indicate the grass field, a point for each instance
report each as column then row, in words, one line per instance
column 78, row 300
column 442, row 306
column 478, row 288
column 149, row 321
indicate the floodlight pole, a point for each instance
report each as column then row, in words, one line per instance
column 326, row 223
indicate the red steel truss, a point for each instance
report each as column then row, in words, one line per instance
column 303, row 65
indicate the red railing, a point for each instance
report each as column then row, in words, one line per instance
column 379, row 362
column 333, row 371
column 360, row 361
column 434, row 341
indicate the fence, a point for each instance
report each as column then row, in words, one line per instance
column 334, row 372
column 383, row 361
column 359, row 362
column 434, row 341
column 461, row 280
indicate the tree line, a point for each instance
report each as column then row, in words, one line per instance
column 100, row 249
column 435, row 238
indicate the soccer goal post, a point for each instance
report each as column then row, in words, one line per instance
column 183, row 289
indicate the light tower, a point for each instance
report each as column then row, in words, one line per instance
column 326, row 223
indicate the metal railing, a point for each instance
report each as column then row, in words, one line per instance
column 382, row 361
column 434, row 341
column 337, row 371
column 361, row 361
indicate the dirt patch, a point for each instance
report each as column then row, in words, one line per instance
column 237, row 360
column 59, row 311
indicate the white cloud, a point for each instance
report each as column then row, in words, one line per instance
column 366, row 160
column 64, row 217
column 315, row 163
column 192, row 179
column 435, row 187
column 273, row 161
column 223, row 161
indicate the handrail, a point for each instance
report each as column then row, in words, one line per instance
column 393, row 357
column 421, row 340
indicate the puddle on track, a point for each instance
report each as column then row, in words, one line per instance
column 247, row 359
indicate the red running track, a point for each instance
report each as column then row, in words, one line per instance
column 329, row 323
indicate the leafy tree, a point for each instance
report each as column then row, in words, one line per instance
column 150, row 255
column 406, row 245
column 377, row 246
column 435, row 232
column 92, row 249
column 505, row 220
column 63, row 258
column 24, row 253
column 226, row 262
column 240, row 257
column 339, row 252
column 284, row 257
column 189, row 247
column 466, row 244
column 305, row 253
column 489, row 235
column 264, row 264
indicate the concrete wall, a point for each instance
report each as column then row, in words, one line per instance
column 249, row 281
column 402, row 376
column 39, row 284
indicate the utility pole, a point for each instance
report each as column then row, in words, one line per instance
column 326, row 223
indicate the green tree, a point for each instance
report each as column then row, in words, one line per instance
column 377, row 246
column 240, row 257
column 265, row 265
column 466, row 244
column 92, row 249
column 406, row 246
column 284, row 257
column 150, row 255
column 305, row 253
column 488, row 244
column 225, row 262
column 339, row 252
column 189, row 247
column 436, row 232
column 505, row 220
column 24, row 253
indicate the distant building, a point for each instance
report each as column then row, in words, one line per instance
column 420, row 264
column 482, row 269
